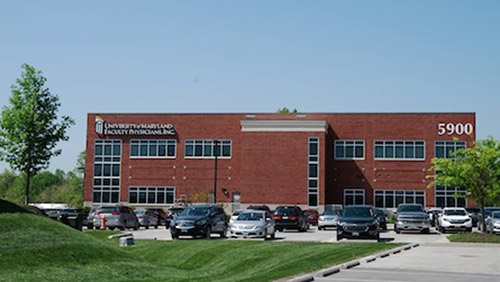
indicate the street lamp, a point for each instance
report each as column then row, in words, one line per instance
column 216, row 153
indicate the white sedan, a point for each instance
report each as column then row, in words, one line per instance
column 253, row 224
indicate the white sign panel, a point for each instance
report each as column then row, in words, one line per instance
column 104, row 128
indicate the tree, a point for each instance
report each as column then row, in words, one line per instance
column 476, row 169
column 285, row 110
column 29, row 126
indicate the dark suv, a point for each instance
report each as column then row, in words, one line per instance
column 358, row 222
column 290, row 217
column 199, row 220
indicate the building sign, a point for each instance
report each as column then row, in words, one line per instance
column 104, row 128
column 455, row 128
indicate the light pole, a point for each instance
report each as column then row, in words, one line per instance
column 216, row 147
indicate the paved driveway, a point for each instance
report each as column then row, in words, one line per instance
column 455, row 262
column 313, row 235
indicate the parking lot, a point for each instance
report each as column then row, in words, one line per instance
column 313, row 235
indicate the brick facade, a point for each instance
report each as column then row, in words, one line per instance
column 270, row 167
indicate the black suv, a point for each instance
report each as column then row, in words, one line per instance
column 199, row 220
column 290, row 217
column 358, row 222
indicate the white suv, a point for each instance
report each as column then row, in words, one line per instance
column 454, row 219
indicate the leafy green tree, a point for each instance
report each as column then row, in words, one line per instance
column 285, row 110
column 29, row 127
column 476, row 169
column 6, row 179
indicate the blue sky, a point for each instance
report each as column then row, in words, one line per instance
column 256, row 56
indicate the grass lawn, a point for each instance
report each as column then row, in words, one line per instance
column 474, row 238
column 36, row 248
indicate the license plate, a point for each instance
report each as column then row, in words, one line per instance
column 355, row 234
column 285, row 217
column 245, row 233
column 184, row 229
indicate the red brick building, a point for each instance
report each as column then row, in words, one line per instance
column 311, row 159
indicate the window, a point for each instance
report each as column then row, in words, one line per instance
column 349, row 149
column 313, row 171
column 394, row 198
column 207, row 149
column 107, row 164
column 447, row 149
column 154, row 148
column 354, row 197
column 450, row 197
column 399, row 150
column 151, row 195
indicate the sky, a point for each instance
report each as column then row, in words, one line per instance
column 255, row 56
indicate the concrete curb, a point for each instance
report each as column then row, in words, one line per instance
column 350, row 264
column 120, row 235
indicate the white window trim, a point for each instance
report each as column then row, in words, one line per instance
column 355, row 190
column 212, row 157
column 399, row 159
column 313, row 178
column 404, row 196
column 345, row 158
column 154, row 157
column 148, row 204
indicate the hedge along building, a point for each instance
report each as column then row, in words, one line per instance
column 311, row 160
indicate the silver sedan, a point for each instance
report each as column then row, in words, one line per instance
column 493, row 223
column 253, row 224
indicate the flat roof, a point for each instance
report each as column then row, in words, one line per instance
column 274, row 113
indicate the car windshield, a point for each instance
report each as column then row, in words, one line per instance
column 107, row 209
column 195, row 211
column 410, row 208
column 455, row 212
column 251, row 216
column 329, row 213
column 358, row 212
column 286, row 212
column 487, row 212
column 495, row 215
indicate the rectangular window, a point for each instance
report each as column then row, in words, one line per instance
column 447, row 149
column 107, row 164
column 207, row 148
column 354, row 197
column 349, row 149
column 450, row 197
column 153, row 148
column 394, row 198
column 313, row 171
column 151, row 195
column 399, row 150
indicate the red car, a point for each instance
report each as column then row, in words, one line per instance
column 312, row 216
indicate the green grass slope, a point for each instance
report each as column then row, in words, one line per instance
column 36, row 248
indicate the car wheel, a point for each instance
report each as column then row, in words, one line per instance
column 273, row 235
column 397, row 230
column 443, row 230
column 123, row 226
column 319, row 228
column 377, row 237
column 174, row 236
column 156, row 226
column 223, row 234
column 469, row 229
column 136, row 226
column 90, row 226
column 146, row 226
column 111, row 228
column 265, row 235
column 426, row 231
column 208, row 231
column 339, row 238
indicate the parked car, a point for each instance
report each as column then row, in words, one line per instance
column 312, row 217
column 473, row 213
column 253, row 224
column 454, row 219
column 118, row 216
column 147, row 218
column 481, row 217
column 199, row 220
column 70, row 216
column 260, row 208
column 328, row 219
column 90, row 217
column 493, row 223
column 382, row 219
column 171, row 213
column 290, row 217
column 160, row 215
column 412, row 217
column 434, row 214
column 358, row 222
column 234, row 216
